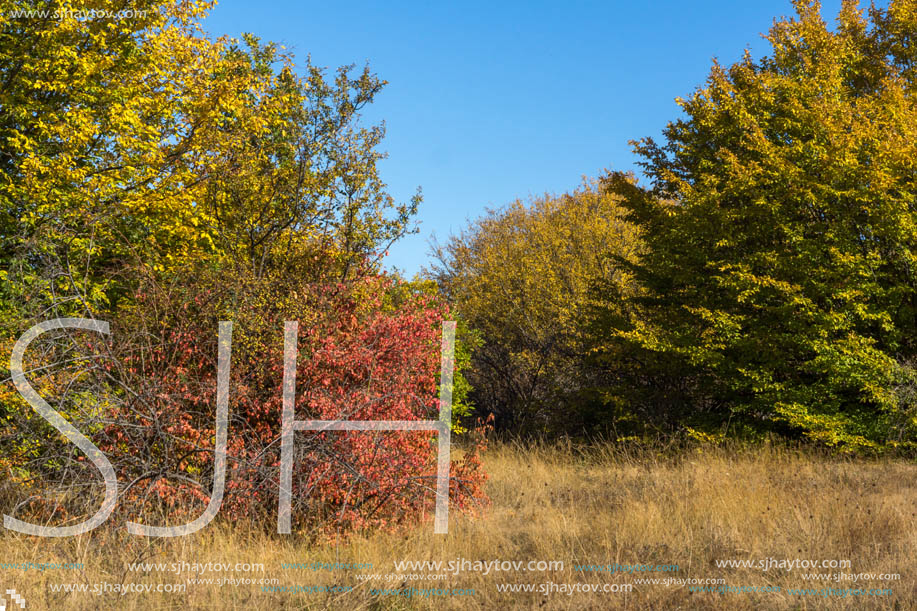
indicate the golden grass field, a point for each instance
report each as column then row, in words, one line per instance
column 597, row 506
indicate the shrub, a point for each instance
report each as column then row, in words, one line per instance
column 357, row 361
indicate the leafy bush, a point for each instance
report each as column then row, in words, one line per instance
column 357, row 361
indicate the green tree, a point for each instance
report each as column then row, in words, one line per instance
column 777, row 291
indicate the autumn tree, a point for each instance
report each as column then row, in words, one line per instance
column 101, row 122
column 777, row 291
column 521, row 277
column 140, row 144
column 291, row 169
column 160, row 180
column 96, row 165
column 141, row 139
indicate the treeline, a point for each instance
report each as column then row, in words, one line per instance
column 760, row 281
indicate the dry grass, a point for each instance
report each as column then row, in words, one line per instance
column 598, row 506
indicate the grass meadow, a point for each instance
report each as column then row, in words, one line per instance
column 595, row 506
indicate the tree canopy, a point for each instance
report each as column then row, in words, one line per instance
column 521, row 276
column 777, row 288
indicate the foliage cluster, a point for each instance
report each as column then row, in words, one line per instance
column 773, row 285
column 162, row 181
column 522, row 276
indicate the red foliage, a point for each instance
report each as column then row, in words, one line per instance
column 359, row 359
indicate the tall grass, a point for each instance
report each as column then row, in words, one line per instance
column 601, row 504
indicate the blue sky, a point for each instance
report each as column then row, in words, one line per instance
column 488, row 102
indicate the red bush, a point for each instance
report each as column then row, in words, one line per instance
column 359, row 359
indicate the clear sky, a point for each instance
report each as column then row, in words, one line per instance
column 492, row 101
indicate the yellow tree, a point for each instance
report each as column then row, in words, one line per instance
column 136, row 149
column 134, row 137
column 293, row 173
column 100, row 124
column 101, row 129
column 521, row 276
